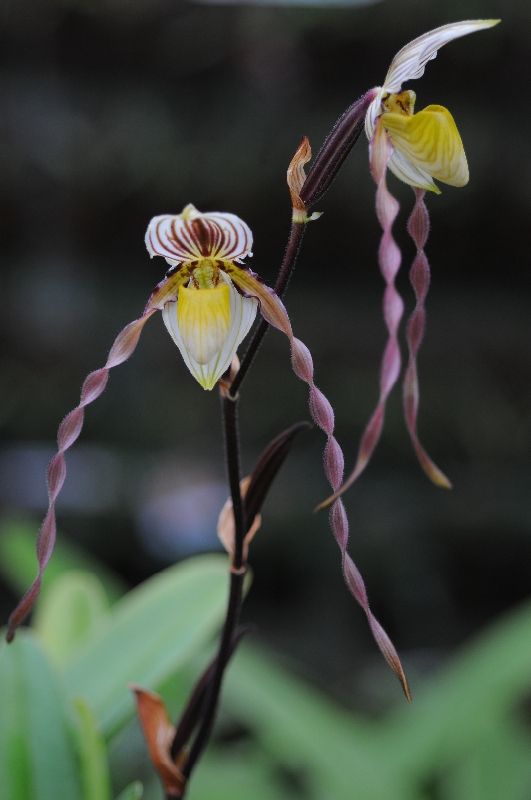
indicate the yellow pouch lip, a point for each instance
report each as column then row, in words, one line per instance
column 430, row 141
column 204, row 320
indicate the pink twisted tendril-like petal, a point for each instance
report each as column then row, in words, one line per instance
column 71, row 426
column 323, row 416
column 69, row 430
column 418, row 228
column 273, row 311
column 389, row 258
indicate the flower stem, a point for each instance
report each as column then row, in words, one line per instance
column 237, row 578
column 232, row 452
column 224, row 652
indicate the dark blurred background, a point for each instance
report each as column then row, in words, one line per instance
column 113, row 111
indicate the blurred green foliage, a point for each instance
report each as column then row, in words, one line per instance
column 67, row 728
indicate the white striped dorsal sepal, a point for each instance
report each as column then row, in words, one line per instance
column 192, row 236
column 411, row 60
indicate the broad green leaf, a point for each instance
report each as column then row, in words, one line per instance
column 18, row 561
column 303, row 729
column 132, row 792
column 236, row 778
column 498, row 766
column 473, row 694
column 69, row 612
column 92, row 754
column 148, row 635
column 37, row 760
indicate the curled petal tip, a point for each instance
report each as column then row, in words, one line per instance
column 326, row 503
column 433, row 472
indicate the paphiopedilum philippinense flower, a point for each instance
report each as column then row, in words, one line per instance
column 417, row 148
column 208, row 317
column 427, row 144
column 208, row 301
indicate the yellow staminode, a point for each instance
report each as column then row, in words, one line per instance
column 204, row 320
column 430, row 140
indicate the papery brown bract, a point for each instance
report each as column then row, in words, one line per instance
column 159, row 733
column 296, row 175
column 226, row 526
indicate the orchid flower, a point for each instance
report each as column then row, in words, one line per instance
column 208, row 301
column 427, row 144
column 417, row 148
column 208, row 317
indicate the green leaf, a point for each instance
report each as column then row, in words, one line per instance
column 69, row 613
column 92, row 754
column 148, row 635
column 37, row 760
column 236, row 778
column 304, row 730
column 132, row 792
column 497, row 767
column 475, row 693
column 18, row 561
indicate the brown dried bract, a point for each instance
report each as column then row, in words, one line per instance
column 297, row 175
column 226, row 524
column 159, row 733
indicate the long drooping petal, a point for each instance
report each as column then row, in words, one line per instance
column 273, row 311
column 69, row 430
column 389, row 257
column 192, row 236
column 242, row 314
column 418, row 227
